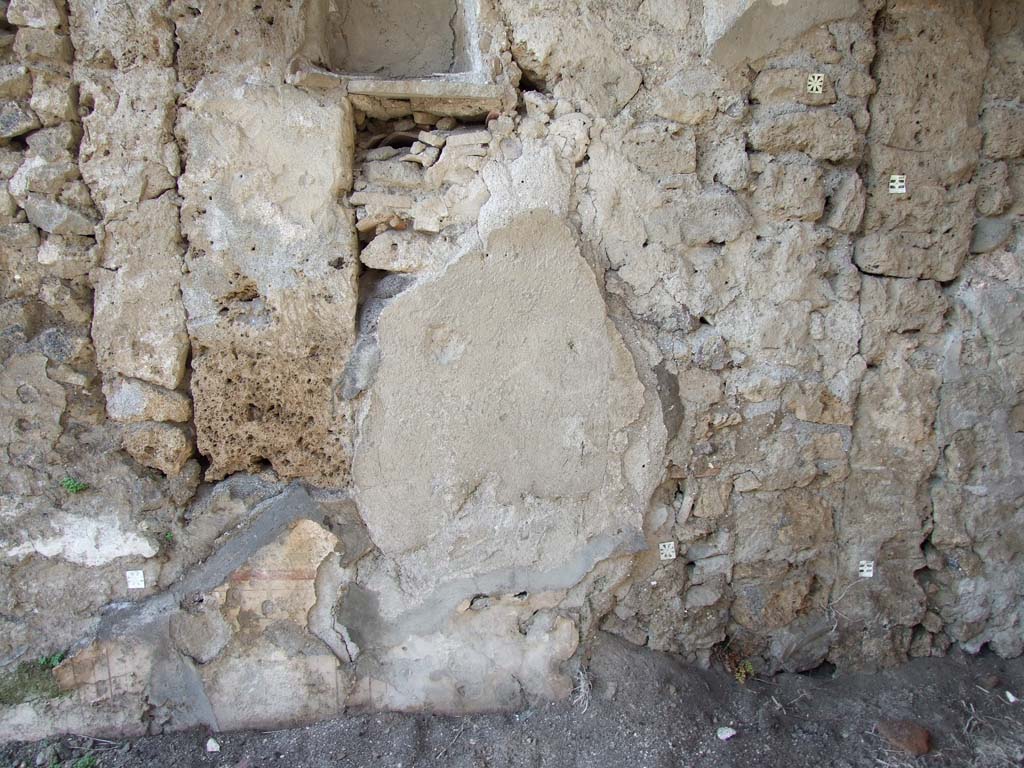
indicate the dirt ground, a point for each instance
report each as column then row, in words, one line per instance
column 638, row 709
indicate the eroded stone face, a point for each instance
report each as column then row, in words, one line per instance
column 270, row 291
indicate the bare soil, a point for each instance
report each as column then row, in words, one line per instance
column 640, row 709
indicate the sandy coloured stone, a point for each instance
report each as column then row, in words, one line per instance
column 165, row 447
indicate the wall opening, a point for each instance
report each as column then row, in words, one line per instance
column 399, row 38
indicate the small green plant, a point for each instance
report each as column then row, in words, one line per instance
column 743, row 671
column 169, row 537
column 52, row 662
column 87, row 761
column 71, row 485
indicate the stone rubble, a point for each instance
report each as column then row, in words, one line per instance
column 392, row 386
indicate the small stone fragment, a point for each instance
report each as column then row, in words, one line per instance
column 41, row 14
column 212, row 745
column 166, row 447
column 53, row 98
column 432, row 138
column 67, row 256
column 16, row 119
column 906, row 735
column 463, row 138
column 56, row 218
column 725, row 733
column 41, row 46
column 131, row 400
column 15, row 81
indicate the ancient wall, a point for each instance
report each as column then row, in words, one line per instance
column 344, row 374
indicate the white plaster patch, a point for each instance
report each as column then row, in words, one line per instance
column 88, row 541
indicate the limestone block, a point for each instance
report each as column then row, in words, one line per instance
column 791, row 190
column 57, row 142
column 67, row 256
column 688, row 97
column 406, row 251
column 570, row 135
column 723, row 159
column 57, row 218
column 139, row 321
column 122, row 36
column 15, row 81
column 128, row 154
column 271, row 288
column 43, row 47
column 227, row 38
column 713, row 217
column 54, row 98
column 165, row 447
column 41, row 14
column 16, row 119
column 824, row 135
column 42, row 176
column 130, row 400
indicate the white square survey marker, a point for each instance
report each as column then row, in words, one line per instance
column 897, row 184
column 136, row 579
column 816, row 83
column 866, row 569
column 667, row 550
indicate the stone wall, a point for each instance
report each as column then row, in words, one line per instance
column 322, row 391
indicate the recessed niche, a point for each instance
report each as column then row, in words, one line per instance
column 398, row 38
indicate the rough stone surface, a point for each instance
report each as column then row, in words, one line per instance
column 130, row 400
column 270, row 290
column 139, row 321
column 484, row 350
column 161, row 446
